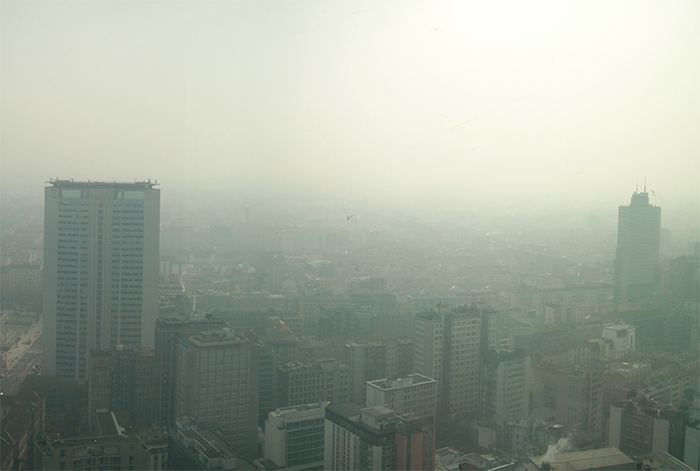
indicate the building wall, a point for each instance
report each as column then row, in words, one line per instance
column 294, row 436
column 448, row 349
column 218, row 384
column 167, row 334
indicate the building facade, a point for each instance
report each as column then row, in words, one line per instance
column 169, row 330
column 100, row 274
column 217, row 385
column 306, row 383
column 505, row 385
column 294, row 436
column 377, row 438
column 414, row 394
column 642, row 425
column 448, row 349
column 637, row 273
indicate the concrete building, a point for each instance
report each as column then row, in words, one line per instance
column 574, row 394
column 377, row 438
column 414, row 394
column 121, row 380
column 376, row 360
column 294, row 436
column 168, row 332
column 193, row 449
column 448, row 349
column 618, row 340
column 642, row 425
column 100, row 274
column 306, row 383
column 116, row 446
column 217, row 385
column 637, row 271
column 505, row 385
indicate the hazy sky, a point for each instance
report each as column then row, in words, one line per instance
column 475, row 103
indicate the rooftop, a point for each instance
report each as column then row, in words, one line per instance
column 56, row 183
column 602, row 458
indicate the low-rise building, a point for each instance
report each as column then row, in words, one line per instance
column 294, row 436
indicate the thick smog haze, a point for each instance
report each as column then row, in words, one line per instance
column 462, row 104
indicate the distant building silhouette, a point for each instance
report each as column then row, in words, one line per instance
column 637, row 273
column 100, row 275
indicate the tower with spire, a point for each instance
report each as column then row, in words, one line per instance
column 637, row 271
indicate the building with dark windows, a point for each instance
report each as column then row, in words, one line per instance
column 217, row 385
column 448, row 348
column 100, row 275
column 637, row 273
column 377, row 438
column 294, row 436
column 168, row 332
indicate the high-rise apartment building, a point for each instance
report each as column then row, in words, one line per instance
column 637, row 273
column 217, row 385
column 448, row 349
column 505, row 385
column 100, row 275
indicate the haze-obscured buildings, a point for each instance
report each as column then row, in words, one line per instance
column 637, row 271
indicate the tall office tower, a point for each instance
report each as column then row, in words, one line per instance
column 505, row 385
column 414, row 394
column 168, row 333
column 377, row 438
column 217, row 384
column 100, row 276
column 294, row 436
column 637, row 273
column 448, row 349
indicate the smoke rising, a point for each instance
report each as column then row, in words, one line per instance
column 562, row 446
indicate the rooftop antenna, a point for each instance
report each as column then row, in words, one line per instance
column 645, row 184
column 636, row 186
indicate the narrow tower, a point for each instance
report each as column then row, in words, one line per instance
column 637, row 272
